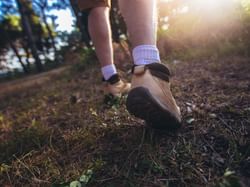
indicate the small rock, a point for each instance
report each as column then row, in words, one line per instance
column 212, row 115
column 104, row 124
column 176, row 61
column 189, row 110
column 247, row 109
column 190, row 120
column 188, row 104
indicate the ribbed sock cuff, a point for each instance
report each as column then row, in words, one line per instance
column 108, row 71
column 146, row 54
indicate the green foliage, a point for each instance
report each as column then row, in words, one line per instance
column 87, row 59
column 10, row 30
column 84, row 179
column 35, row 21
column 81, row 182
column 12, row 22
column 89, row 56
column 229, row 180
column 4, row 168
column 114, row 101
column 86, row 176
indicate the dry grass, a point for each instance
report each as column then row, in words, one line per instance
column 54, row 133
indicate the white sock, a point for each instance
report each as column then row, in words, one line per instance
column 108, row 71
column 146, row 54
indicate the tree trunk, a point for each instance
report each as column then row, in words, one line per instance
column 50, row 33
column 13, row 47
column 28, row 31
column 82, row 23
column 26, row 49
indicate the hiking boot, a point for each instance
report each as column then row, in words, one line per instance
column 150, row 97
column 115, row 86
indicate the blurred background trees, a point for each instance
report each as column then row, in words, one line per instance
column 187, row 28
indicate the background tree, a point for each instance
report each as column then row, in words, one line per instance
column 25, row 8
column 81, row 23
column 42, row 6
column 11, row 32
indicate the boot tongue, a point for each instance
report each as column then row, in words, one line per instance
column 159, row 70
column 156, row 69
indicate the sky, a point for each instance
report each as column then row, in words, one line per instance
column 65, row 19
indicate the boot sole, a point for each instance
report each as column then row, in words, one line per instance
column 141, row 104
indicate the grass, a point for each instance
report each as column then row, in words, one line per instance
column 62, row 133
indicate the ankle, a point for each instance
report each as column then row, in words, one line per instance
column 146, row 54
column 108, row 71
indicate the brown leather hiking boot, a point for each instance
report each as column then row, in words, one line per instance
column 115, row 86
column 150, row 97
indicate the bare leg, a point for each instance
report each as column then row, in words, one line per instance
column 100, row 32
column 150, row 97
column 140, row 17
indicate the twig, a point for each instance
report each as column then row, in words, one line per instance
column 228, row 126
column 22, row 163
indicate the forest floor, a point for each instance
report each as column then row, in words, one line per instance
column 61, row 132
column 10, row 87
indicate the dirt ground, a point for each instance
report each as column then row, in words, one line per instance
column 60, row 132
column 10, row 87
